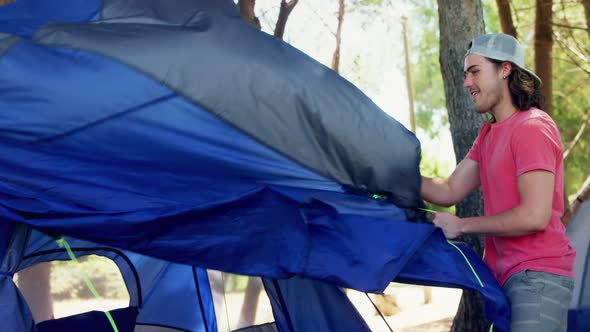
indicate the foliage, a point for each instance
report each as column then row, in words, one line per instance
column 67, row 281
column 431, row 168
column 571, row 66
column 235, row 283
column 431, row 115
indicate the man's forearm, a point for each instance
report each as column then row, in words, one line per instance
column 437, row 191
column 517, row 221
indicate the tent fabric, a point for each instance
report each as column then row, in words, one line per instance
column 239, row 74
column 14, row 311
column 6, row 229
column 440, row 263
column 6, row 42
column 247, row 180
column 92, row 321
column 149, row 132
column 178, row 12
column 304, row 232
column 578, row 231
column 302, row 298
column 23, row 18
column 150, row 282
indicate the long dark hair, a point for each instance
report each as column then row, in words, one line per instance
column 525, row 90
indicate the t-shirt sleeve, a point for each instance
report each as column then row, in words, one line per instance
column 536, row 146
column 474, row 152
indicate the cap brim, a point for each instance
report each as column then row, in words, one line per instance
column 532, row 74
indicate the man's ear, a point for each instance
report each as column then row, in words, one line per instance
column 506, row 68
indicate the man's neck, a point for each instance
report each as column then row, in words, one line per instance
column 503, row 110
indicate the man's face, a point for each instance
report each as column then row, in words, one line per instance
column 484, row 82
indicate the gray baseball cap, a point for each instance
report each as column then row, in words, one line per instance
column 502, row 47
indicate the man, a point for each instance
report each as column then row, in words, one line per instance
column 517, row 159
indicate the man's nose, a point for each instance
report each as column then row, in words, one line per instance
column 467, row 82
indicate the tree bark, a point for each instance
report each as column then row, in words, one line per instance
column 506, row 18
column 286, row 9
column 544, row 50
column 336, row 55
column 459, row 22
column 34, row 284
column 586, row 4
column 247, row 12
column 250, row 303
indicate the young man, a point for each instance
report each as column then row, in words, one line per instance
column 517, row 160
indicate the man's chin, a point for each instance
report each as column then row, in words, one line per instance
column 480, row 110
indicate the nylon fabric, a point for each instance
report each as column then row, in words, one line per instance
column 578, row 231
column 6, row 42
column 119, row 119
column 23, row 17
column 150, row 282
column 301, row 298
column 15, row 314
column 312, row 115
column 175, row 12
column 437, row 263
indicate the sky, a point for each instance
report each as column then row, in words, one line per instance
column 371, row 56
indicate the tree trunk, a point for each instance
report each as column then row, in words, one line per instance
column 586, row 4
column 286, row 9
column 250, row 304
column 247, row 12
column 3, row 2
column 33, row 282
column 336, row 55
column 459, row 22
column 543, row 50
column 506, row 18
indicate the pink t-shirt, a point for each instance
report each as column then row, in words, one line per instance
column 526, row 141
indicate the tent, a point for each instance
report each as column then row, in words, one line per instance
column 172, row 138
column 578, row 231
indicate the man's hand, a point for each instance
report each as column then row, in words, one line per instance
column 449, row 223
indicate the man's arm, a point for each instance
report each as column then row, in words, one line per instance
column 530, row 216
column 449, row 191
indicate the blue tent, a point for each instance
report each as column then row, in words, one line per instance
column 578, row 231
column 172, row 137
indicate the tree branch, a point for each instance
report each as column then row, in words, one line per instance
column 506, row 18
column 336, row 55
column 578, row 135
column 544, row 49
column 582, row 195
column 586, row 4
column 569, row 26
column 247, row 12
column 567, row 48
column 286, row 9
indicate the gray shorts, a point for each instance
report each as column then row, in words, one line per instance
column 539, row 301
